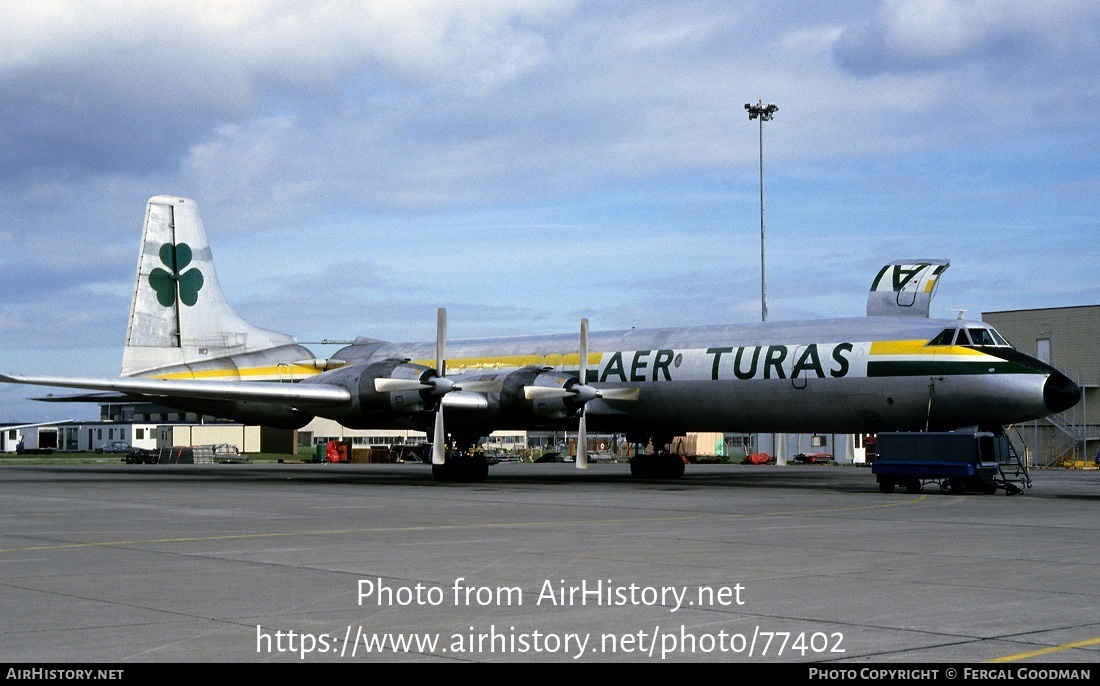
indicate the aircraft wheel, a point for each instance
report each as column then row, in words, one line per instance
column 641, row 467
column 462, row 468
column 672, row 466
column 662, row 466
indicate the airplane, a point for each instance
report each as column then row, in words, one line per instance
column 896, row 369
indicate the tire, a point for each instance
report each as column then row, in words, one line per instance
column 886, row 486
column 462, row 468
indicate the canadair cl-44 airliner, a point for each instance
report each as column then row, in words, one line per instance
column 894, row 370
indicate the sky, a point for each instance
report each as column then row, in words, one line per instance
column 527, row 163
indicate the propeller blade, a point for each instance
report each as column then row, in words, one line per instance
column 583, row 392
column 384, row 385
column 582, row 443
column 488, row 386
column 536, row 392
column 439, row 440
column 440, row 341
column 619, row 393
column 583, row 373
column 582, row 425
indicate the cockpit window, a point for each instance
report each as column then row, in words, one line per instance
column 981, row 337
column 945, row 337
column 971, row 336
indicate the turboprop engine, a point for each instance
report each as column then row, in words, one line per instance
column 384, row 387
column 553, row 399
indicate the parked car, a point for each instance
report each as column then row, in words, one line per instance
column 114, row 447
column 141, row 456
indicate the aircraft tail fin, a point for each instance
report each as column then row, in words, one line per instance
column 181, row 325
column 905, row 287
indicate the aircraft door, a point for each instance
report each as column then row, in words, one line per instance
column 799, row 375
column 907, row 293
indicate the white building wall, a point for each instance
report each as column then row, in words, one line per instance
column 9, row 440
column 245, row 438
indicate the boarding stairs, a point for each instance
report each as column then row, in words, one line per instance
column 1012, row 472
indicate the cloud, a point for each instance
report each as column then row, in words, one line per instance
column 119, row 86
column 926, row 35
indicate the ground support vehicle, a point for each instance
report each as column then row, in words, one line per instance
column 957, row 461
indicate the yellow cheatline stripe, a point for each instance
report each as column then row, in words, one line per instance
column 910, row 347
column 466, row 364
column 474, row 364
column 444, row 527
column 1047, row 651
column 254, row 373
column 921, row 348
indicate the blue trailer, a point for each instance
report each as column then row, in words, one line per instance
column 957, row 461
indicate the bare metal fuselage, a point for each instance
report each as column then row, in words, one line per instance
column 833, row 376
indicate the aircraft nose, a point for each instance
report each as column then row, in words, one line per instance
column 1060, row 393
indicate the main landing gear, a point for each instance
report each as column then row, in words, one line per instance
column 463, row 463
column 661, row 464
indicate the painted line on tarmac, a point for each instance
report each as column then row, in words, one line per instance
column 1047, row 651
column 449, row 527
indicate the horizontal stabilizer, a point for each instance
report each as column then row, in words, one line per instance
column 99, row 398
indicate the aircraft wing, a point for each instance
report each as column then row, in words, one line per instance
column 7, row 427
column 258, row 391
column 103, row 397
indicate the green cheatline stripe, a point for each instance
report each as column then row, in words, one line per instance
column 945, row 368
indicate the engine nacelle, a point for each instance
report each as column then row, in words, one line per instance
column 360, row 381
column 509, row 406
column 514, row 402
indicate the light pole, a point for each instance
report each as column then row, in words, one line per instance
column 764, row 113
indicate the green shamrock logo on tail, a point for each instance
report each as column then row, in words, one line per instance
column 176, row 258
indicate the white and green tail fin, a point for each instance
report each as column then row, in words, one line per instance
column 181, row 325
column 905, row 288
